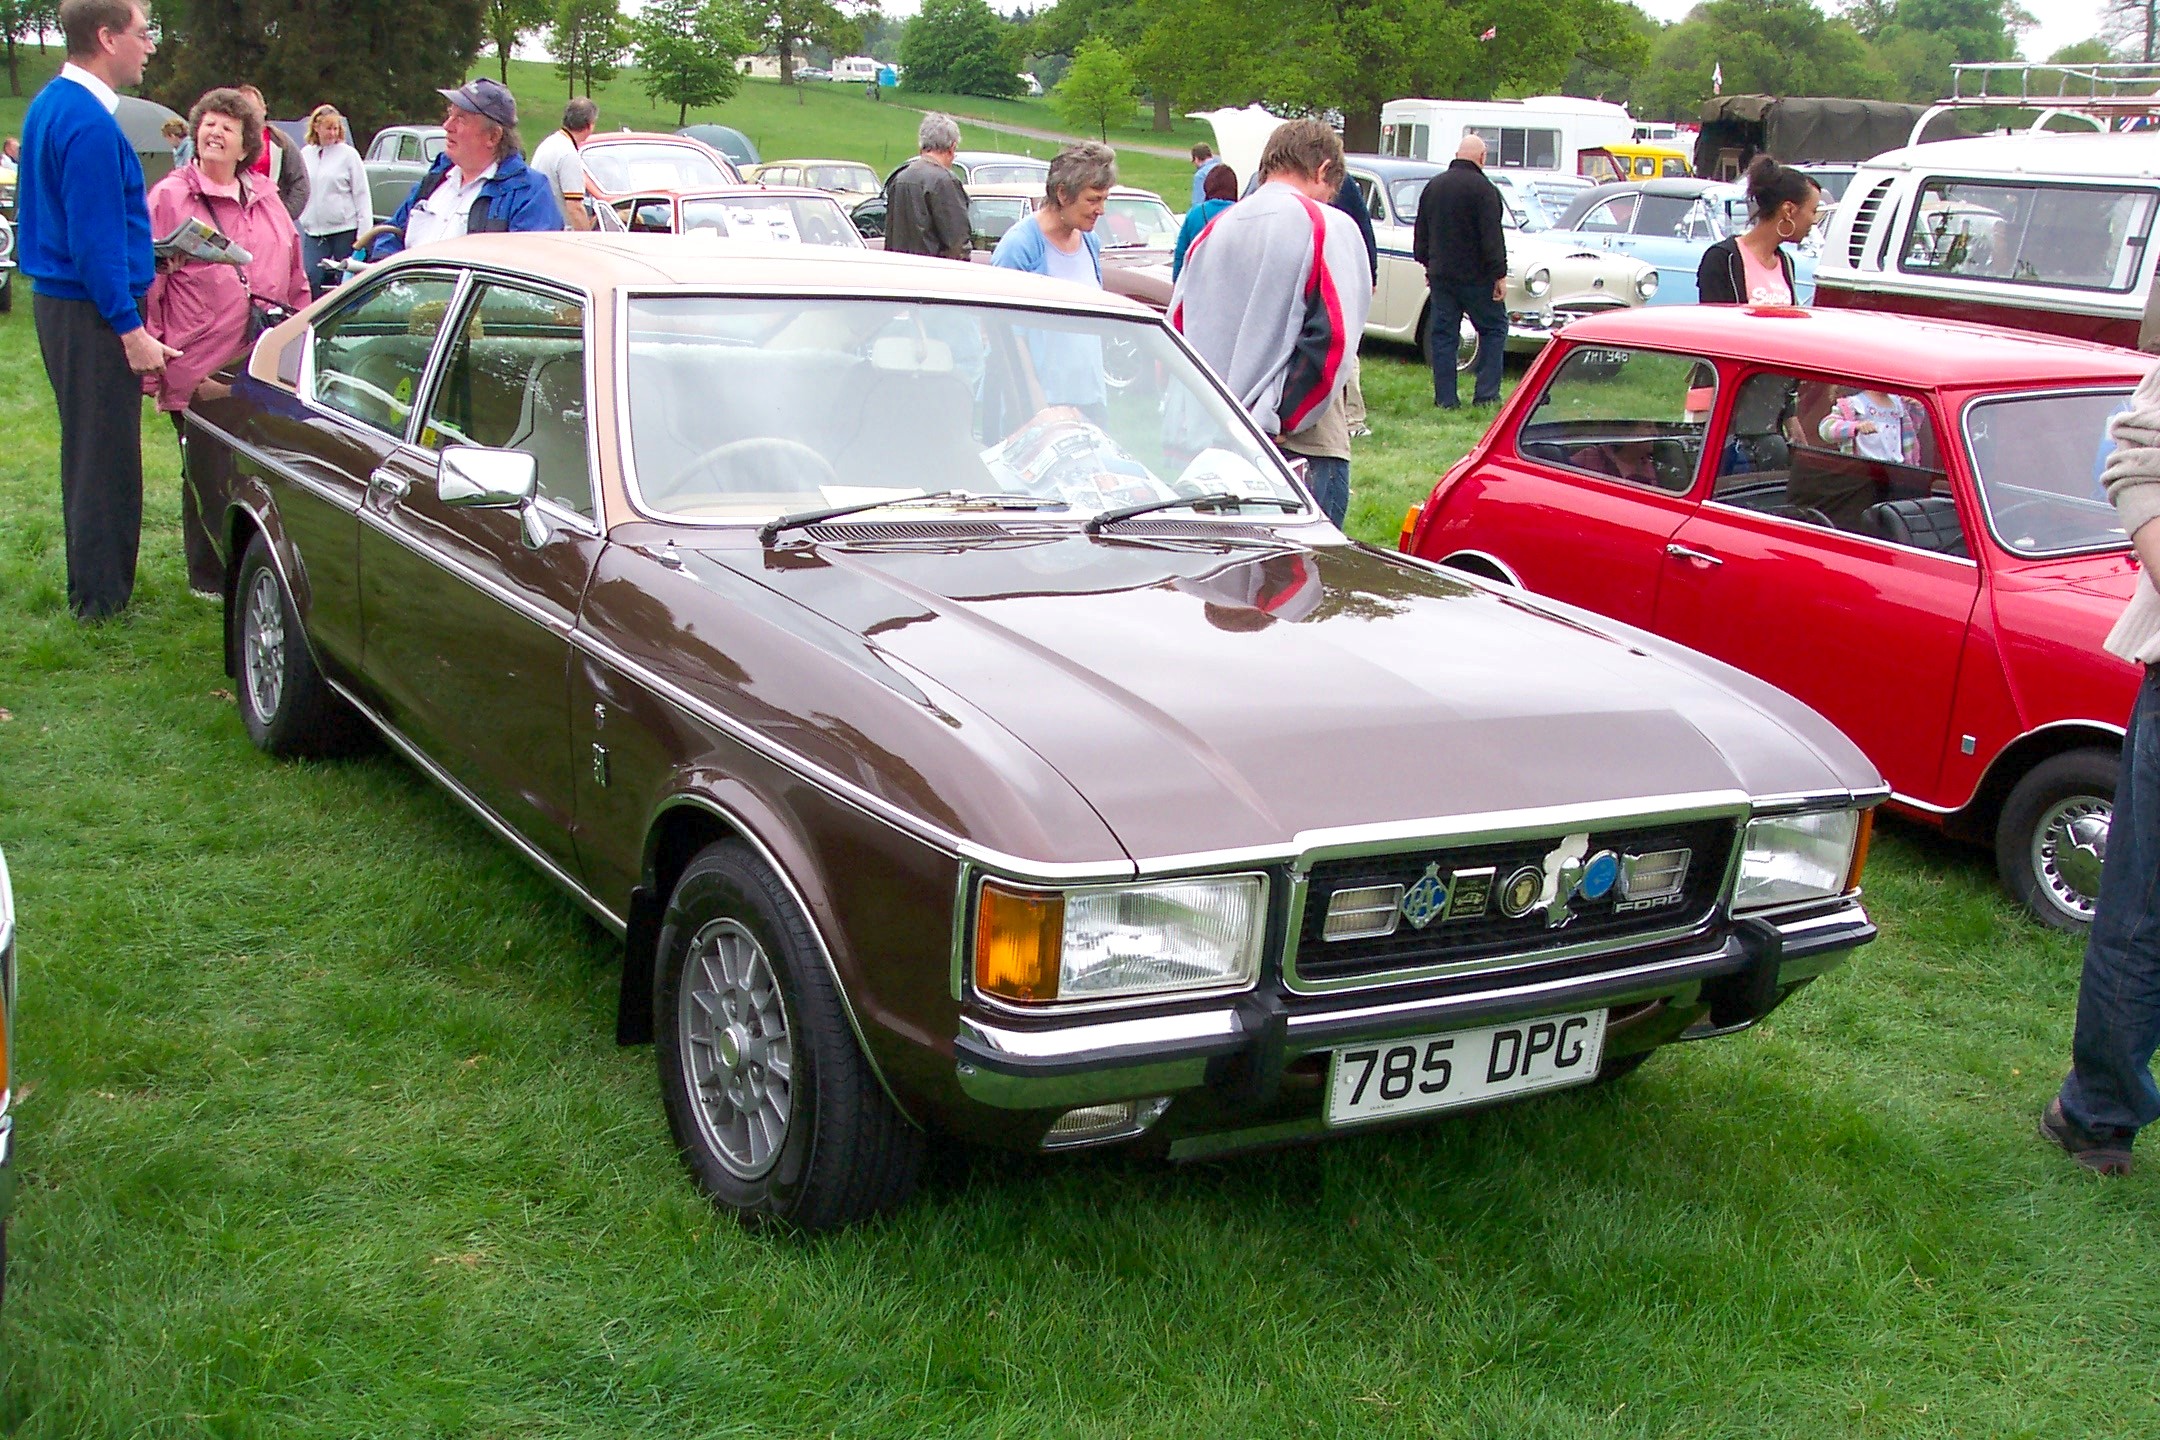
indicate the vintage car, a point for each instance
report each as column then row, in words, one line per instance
column 1137, row 231
column 957, row 747
column 632, row 162
column 1640, row 160
column 991, row 167
column 739, row 148
column 849, row 181
column 396, row 160
column 2044, row 232
column 1937, row 585
column 1668, row 224
column 1549, row 284
column 742, row 212
column 7, row 1056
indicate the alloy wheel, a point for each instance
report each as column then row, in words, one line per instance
column 736, row 1048
column 262, row 645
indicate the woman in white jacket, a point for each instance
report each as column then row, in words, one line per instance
column 338, row 206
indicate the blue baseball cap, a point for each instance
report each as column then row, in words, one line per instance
column 486, row 98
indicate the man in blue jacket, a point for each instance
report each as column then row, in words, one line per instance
column 480, row 184
column 84, row 240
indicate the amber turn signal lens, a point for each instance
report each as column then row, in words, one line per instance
column 1017, row 939
column 1410, row 518
column 1859, row 849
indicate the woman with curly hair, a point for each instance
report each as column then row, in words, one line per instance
column 207, row 310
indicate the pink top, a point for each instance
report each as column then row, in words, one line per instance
column 1765, row 283
column 201, row 309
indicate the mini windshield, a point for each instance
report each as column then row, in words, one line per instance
column 751, row 408
column 1132, row 222
column 652, row 165
column 779, row 219
column 2038, row 459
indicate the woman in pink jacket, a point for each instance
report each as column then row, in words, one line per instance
column 204, row 310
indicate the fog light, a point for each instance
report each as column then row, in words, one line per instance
column 1092, row 1124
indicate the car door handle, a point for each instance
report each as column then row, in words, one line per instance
column 391, row 484
column 1682, row 552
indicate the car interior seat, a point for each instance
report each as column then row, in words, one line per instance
column 1928, row 522
column 551, row 429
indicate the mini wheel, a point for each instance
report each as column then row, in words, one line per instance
column 286, row 705
column 2052, row 837
column 771, row 1101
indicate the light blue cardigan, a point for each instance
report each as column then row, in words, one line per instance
column 1024, row 247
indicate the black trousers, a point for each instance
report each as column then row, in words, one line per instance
column 101, row 484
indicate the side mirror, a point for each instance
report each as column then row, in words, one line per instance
column 474, row 477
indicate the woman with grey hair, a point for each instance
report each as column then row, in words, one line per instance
column 925, row 208
column 1058, row 241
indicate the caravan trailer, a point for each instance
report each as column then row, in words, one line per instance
column 1545, row 132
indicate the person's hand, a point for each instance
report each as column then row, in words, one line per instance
column 1499, row 289
column 1867, row 427
column 146, row 354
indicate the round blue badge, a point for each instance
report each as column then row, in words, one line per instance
column 1598, row 876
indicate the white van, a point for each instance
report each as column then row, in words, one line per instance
column 858, row 68
column 1545, row 132
column 2050, row 232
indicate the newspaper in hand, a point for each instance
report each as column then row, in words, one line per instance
column 194, row 239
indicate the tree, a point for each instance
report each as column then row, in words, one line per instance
column 507, row 23
column 687, row 49
column 18, row 21
column 961, row 47
column 2134, row 25
column 1770, row 47
column 1097, row 89
column 588, row 39
column 380, row 60
column 787, row 26
column 1976, row 29
column 2085, row 52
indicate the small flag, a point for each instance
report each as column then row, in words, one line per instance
column 1490, row 32
column 1717, row 79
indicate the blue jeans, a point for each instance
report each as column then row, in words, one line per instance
column 314, row 249
column 2110, row 1085
column 1329, row 481
column 1451, row 301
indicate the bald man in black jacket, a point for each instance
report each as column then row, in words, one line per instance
column 1458, row 241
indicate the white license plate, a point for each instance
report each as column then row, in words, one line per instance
column 1462, row 1067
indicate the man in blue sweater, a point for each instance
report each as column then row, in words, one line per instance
column 83, row 238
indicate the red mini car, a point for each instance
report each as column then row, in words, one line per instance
column 1899, row 521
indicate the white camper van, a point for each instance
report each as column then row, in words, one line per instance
column 1545, row 132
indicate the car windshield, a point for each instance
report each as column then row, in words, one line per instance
column 781, row 219
column 651, row 165
column 840, row 177
column 1132, row 222
column 989, row 218
column 999, row 172
column 747, row 408
column 2038, row 459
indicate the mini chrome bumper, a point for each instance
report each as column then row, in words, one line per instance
column 1740, row 973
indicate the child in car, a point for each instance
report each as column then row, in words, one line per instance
column 1877, row 425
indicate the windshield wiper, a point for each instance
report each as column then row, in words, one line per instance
column 771, row 529
column 1221, row 500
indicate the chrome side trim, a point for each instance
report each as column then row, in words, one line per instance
column 2097, row 727
column 1802, row 800
column 263, row 458
column 772, row 863
column 1506, row 570
column 488, row 817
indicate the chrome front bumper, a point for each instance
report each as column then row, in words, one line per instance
column 1739, row 973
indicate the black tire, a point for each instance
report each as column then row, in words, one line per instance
column 2053, row 833
column 287, row 707
column 816, row 1148
column 7, row 295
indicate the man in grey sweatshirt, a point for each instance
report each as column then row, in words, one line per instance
column 1274, row 296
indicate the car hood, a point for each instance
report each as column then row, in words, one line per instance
column 1202, row 695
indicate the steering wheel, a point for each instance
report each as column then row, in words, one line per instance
column 730, row 452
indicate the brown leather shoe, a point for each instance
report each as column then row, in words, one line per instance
column 2103, row 1155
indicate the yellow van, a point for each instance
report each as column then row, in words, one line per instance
column 1642, row 160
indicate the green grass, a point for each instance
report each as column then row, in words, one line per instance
column 1037, row 113
column 324, row 1133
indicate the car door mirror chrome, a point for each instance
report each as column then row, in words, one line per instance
column 474, row 477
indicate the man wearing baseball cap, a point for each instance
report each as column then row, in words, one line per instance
column 480, row 184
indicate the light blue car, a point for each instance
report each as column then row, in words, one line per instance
column 1669, row 223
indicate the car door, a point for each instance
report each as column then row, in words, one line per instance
column 1836, row 575
column 1670, row 232
column 362, row 367
column 466, row 627
column 1598, row 478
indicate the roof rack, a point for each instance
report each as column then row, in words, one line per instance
column 2097, row 94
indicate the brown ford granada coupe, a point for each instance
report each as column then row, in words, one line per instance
column 958, row 746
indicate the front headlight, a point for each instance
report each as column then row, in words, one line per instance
column 1113, row 941
column 1790, row 858
column 1537, row 282
column 1646, row 284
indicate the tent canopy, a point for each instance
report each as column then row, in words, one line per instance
column 1735, row 128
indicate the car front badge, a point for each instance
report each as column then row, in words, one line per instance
column 1560, row 874
column 1427, row 900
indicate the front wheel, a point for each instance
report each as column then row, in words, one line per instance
column 772, row 1103
column 2052, row 838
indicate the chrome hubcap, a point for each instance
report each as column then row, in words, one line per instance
column 262, row 645
column 735, row 1048
column 1466, row 347
column 2069, row 846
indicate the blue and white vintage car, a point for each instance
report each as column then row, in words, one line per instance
column 1668, row 224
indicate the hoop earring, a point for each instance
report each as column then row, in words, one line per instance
column 1784, row 228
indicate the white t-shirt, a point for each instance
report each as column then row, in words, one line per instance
column 557, row 158
column 442, row 215
column 1887, row 440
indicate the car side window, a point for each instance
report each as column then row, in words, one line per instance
column 1632, row 415
column 369, row 356
column 1369, row 188
column 409, row 149
column 1610, row 218
column 651, row 217
column 515, row 380
column 1839, row 456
